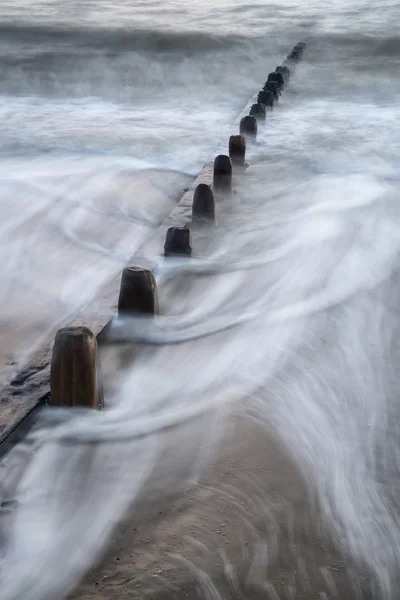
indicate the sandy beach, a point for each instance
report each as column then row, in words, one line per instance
column 248, row 530
column 250, row 433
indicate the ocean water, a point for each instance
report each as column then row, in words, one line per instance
column 108, row 110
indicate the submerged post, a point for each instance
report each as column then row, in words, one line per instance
column 237, row 150
column 248, row 126
column 278, row 77
column 299, row 49
column 266, row 97
column 274, row 88
column 222, row 176
column 75, row 376
column 178, row 242
column 258, row 111
column 284, row 70
column 294, row 55
column 203, row 207
column 138, row 293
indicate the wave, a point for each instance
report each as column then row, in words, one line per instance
column 118, row 39
column 360, row 44
column 389, row 46
column 35, row 46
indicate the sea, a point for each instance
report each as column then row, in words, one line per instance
column 108, row 110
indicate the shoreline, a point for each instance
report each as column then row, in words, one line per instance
column 248, row 529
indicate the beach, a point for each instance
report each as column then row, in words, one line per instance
column 267, row 386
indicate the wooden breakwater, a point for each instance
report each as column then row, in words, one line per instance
column 67, row 372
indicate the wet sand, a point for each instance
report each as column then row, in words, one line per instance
column 248, row 529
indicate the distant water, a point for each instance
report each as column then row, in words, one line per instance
column 108, row 109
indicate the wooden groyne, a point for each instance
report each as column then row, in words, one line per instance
column 67, row 372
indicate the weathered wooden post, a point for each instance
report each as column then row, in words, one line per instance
column 138, row 293
column 266, row 97
column 237, row 150
column 285, row 71
column 178, row 242
column 258, row 111
column 273, row 87
column 222, row 176
column 203, row 207
column 75, row 376
column 299, row 49
column 278, row 77
column 248, row 126
column 294, row 55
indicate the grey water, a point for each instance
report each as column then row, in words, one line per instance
column 108, row 110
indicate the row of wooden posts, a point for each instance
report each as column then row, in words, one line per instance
column 75, row 378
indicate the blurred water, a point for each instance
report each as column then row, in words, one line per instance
column 120, row 88
column 108, row 109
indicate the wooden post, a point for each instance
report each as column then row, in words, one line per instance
column 285, row 71
column 75, row 377
column 273, row 87
column 294, row 55
column 299, row 49
column 278, row 77
column 203, row 207
column 266, row 97
column 138, row 293
column 258, row 111
column 248, row 126
column 222, row 177
column 237, row 150
column 178, row 242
